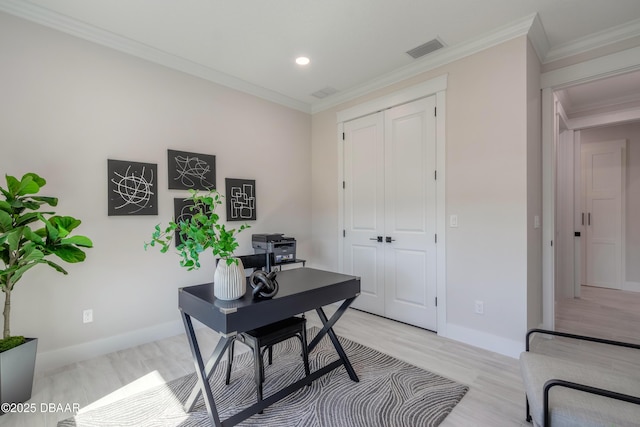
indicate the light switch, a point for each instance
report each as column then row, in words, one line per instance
column 453, row 221
column 536, row 221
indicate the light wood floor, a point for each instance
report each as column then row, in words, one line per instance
column 495, row 398
column 601, row 312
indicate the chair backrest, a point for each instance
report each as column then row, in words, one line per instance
column 254, row 262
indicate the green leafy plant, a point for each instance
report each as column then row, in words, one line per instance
column 11, row 342
column 28, row 236
column 199, row 232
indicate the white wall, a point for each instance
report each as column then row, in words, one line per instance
column 487, row 139
column 630, row 132
column 67, row 106
column 564, row 240
column 534, row 191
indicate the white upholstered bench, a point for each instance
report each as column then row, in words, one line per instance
column 563, row 392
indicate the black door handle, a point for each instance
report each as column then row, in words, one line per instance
column 388, row 239
column 379, row 238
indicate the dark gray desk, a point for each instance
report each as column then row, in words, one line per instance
column 301, row 290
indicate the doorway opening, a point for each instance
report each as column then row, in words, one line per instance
column 594, row 276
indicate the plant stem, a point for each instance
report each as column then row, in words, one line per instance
column 6, row 332
column 7, row 313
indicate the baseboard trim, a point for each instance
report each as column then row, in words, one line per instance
column 631, row 286
column 485, row 340
column 54, row 359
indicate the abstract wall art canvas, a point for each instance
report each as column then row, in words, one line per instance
column 182, row 212
column 191, row 170
column 241, row 199
column 132, row 188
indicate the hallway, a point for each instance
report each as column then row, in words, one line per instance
column 601, row 312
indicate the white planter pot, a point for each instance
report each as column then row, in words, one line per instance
column 229, row 282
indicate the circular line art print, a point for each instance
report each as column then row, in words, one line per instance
column 132, row 188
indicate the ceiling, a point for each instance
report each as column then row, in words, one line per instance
column 251, row 44
column 601, row 96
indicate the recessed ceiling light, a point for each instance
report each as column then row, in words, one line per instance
column 302, row 60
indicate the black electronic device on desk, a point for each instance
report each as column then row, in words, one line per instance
column 283, row 248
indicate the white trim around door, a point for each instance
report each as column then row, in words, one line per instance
column 436, row 86
column 606, row 66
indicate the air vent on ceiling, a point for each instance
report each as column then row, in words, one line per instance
column 423, row 49
column 323, row 93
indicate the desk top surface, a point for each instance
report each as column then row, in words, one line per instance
column 300, row 290
column 291, row 282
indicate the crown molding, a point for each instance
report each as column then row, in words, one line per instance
column 631, row 100
column 616, row 117
column 538, row 38
column 51, row 19
column 434, row 60
column 530, row 26
column 593, row 41
column 604, row 66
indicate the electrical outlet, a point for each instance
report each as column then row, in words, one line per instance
column 479, row 306
column 87, row 316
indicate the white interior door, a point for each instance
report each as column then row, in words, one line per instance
column 364, row 209
column 410, row 213
column 390, row 211
column 604, row 184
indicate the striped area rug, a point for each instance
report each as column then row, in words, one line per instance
column 390, row 393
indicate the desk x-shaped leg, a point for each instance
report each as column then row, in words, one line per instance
column 328, row 329
column 204, row 371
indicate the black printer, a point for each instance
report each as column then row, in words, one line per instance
column 283, row 248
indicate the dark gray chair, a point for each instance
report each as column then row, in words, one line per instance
column 264, row 338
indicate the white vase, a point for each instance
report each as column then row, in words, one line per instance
column 229, row 282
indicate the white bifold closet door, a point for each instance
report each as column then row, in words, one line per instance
column 390, row 211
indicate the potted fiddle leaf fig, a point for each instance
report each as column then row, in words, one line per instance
column 28, row 237
column 201, row 231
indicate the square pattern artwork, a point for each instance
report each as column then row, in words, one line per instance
column 132, row 188
column 241, row 199
column 191, row 171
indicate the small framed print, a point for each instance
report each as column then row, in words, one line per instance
column 131, row 188
column 191, row 170
column 241, row 199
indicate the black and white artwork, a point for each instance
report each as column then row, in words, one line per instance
column 241, row 199
column 191, row 170
column 182, row 212
column 132, row 188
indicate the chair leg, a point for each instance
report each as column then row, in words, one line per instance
column 270, row 355
column 258, row 372
column 229, row 361
column 305, row 351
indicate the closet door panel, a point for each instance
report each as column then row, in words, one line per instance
column 410, row 213
column 364, row 209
